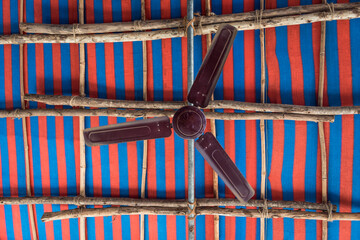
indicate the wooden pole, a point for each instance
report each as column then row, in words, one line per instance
column 262, row 123
column 24, row 127
column 71, row 29
column 217, row 104
column 231, row 212
column 82, row 223
column 213, row 131
column 160, row 113
column 173, row 33
column 321, row 126
column 136, row 202
column 145, row 149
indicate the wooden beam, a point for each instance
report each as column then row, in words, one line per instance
column 173, row 33
column 160, row 113
column 82, row 221
column 321, row 126
column 136, row 202
column 71, row 29
column 182, row 211
column 217, row 104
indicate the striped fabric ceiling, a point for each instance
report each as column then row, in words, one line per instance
column 114, row 71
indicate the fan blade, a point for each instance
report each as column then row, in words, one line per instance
column 210, row 70
column 159, row 127
column 216, row 156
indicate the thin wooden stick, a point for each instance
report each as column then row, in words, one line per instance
column 160, row 113
column 136, row 202
column 145, row 148
column 24, row 127
column 142, row 25
column 321, row 126
column 82, row 122
column 173, row 33
column 262, row 125
column 217, row 104
column 231, row 212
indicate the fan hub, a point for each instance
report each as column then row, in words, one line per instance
column 189, row 122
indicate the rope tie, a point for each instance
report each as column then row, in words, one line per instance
column 188, row 24
column 332, row 10
column 329, row 209
column 200, row 24
column 17, row 114
column 258, row 18
column 265, row 211
column 72, row 100
column 137, row 25
column 77, row 200
column 75, row 30
column 191, row 210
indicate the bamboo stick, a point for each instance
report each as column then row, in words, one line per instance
column 173, row 33
column 217, row 104
column 82, row 223
column 142, row 25
column 136, row 202
column 262, row 124
column 321, row 126
column 145, row 148
column 159, row 113
column 252, row 213
column 24, row 127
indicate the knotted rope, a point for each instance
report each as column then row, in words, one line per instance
column 137, row 25
column 329, row 209
column 265, row 211
column 75, row 30
column 332, row 10
column 71, row 100
column 258, row 18
column 187, row 24
column 191, row 210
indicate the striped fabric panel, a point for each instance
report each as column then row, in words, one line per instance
column 113, row 70
column 53, row 141
column 240, row 81
column 294, row 159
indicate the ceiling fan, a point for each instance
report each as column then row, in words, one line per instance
column 188, row 122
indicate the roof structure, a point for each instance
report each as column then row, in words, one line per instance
column 292, row 156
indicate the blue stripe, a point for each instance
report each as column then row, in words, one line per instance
column 39, row 208
column 48, row 70
column 175, row 8
column 46, row 11
column 155, row 10
column 70, row 156
column 25, row 227
column 332, row 66
column 116, row 11
column 138, row 70
column 14, row 18
column 57, row 224
column 15, row 67
column 98, row 12
column 34, row 126
column 66, row 69
column 177, row 73
column 136, row 10
column 157, row 70
column 119, row 70
column 63, row 12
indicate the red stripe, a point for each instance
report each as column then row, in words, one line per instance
column 2, row 210
column 60, row 150
column 6, row 17
column 249, row 53
column 275, row 174
column 347, row 146
column 129, row 71
column 165, row 10
column 56, row 57
column 126, row 10
column 65, row 224
column 49, row 225
column 110, row 71
column 54, row 10
column 167, row 70
column 107, row 11
column 77, row 151
column 44, row 156
column 8, row 77
column 184, row 66
column 297, row 81
column 89, row 12
column 72, row 7
column 12, row 157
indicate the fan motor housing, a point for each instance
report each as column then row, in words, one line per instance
column 189, row 122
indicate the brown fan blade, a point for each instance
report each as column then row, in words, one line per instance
column 128, row 131
column 216, row 156
column 210, row 70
